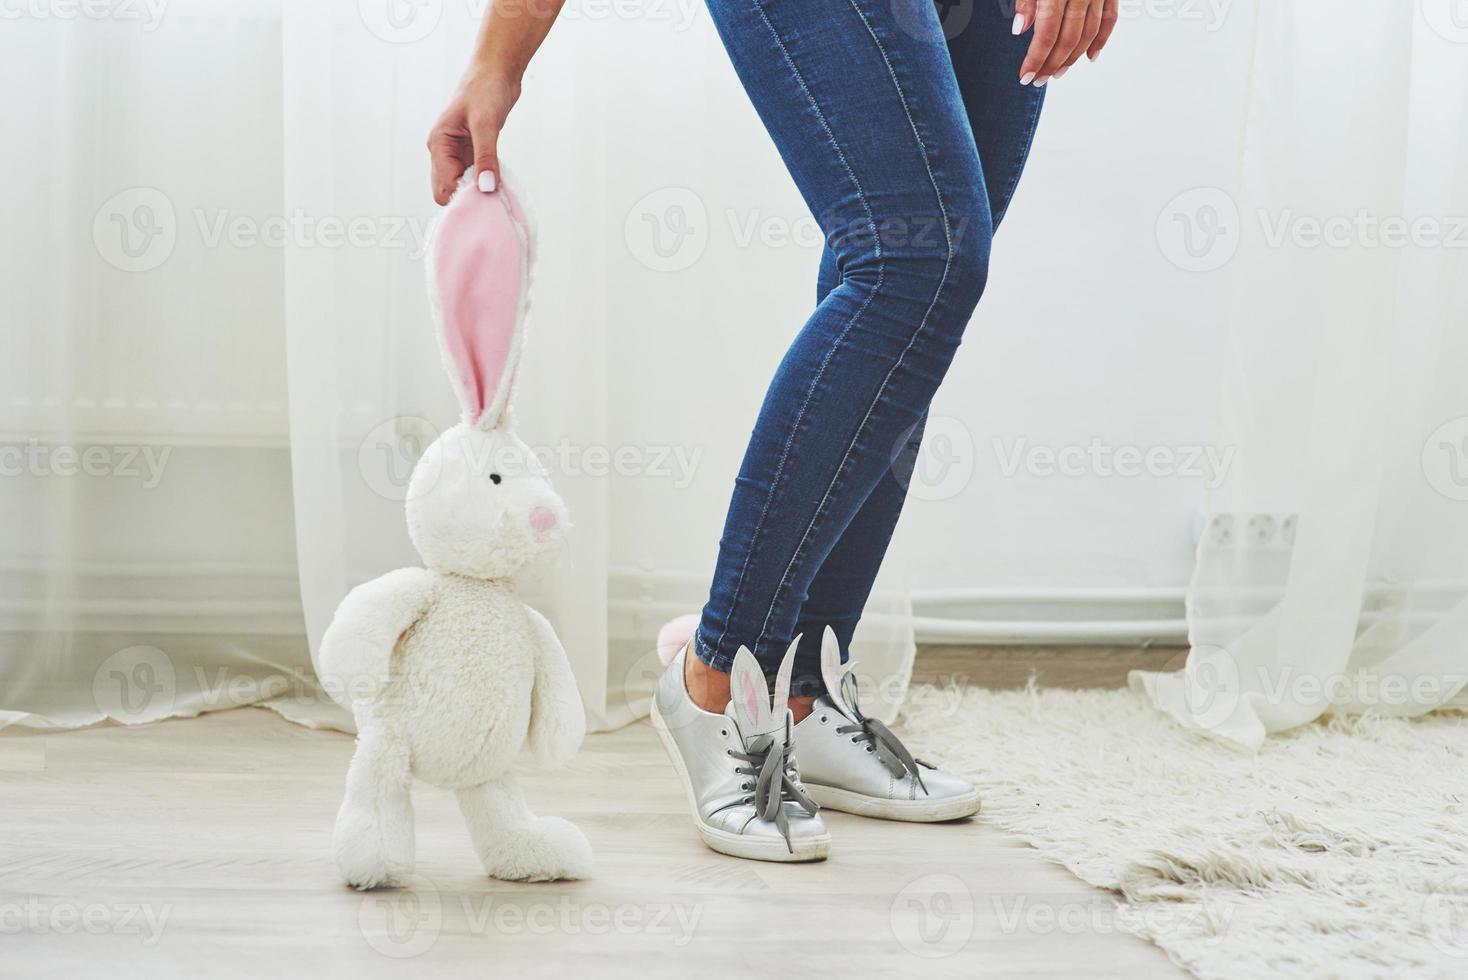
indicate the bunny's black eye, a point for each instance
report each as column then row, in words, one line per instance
column 495, row 478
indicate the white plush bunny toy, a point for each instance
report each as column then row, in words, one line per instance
column 448, row 673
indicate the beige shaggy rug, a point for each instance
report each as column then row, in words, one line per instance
column 1339, row 850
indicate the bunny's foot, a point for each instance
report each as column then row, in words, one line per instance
column 543, row 849
column 515, row 844
column 373, row 840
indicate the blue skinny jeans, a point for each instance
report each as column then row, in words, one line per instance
column 905, row 128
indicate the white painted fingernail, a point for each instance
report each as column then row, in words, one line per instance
column 1093, row 57
column 486, row 181
column 1019, row 24
column 1027, row 78
column 1041, row 83
column 1061, row 73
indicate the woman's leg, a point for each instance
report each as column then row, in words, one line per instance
column 1002, row 114
column 861, row 99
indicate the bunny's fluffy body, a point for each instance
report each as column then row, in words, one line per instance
column 448, row 673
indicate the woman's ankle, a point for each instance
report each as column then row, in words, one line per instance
column 708, row 688
column 800, row 708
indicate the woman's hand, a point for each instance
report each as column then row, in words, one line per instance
column 468, row 132
column 1064, row 30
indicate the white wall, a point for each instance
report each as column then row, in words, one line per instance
column 1089, row 331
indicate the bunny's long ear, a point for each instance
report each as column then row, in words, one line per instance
column 832, row 672
column 749, row 696
column 780, row 700
column 478, row 286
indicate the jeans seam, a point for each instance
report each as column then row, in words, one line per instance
column 711, row 656
column 820, row 372
column 882, row 389
column 1017, row 167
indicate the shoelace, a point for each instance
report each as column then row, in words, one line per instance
column 889, row 748
column 770, row 764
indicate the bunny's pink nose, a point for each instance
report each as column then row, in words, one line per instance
column 542, row 519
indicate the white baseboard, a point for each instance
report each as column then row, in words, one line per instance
column 255, row 599
column 1101, row 615
column 215, row 599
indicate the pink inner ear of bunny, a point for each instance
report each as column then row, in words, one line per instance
column 751, row 697
column 480, row 268
column 517, row 212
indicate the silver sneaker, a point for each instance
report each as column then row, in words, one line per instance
column 853, row 763
column 737, row 769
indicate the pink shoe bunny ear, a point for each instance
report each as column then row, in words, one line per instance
column 749, row 696
column 780, row 700
column 478, row 281
column 832, row 672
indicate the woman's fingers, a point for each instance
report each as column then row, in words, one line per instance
column 1072, row 24
column 1088, row 35
column 451, row 152
column 1048, row 16
column 1024, row 16
column 468, row 133
column 1103, row 34
column 1092, row 23
column 486, row 158
column 453, row 147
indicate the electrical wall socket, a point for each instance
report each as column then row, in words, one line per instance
column 1249, row 530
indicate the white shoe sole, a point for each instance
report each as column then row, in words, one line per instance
column 737, row 845
column 912, row 811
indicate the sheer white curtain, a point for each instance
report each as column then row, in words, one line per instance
column 1332, row 575
column 147, row 564
column 647, row 345
column 219, row 366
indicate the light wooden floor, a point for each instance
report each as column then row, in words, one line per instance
column 200, row 848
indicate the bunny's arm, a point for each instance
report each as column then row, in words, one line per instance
column 557, row 719
column 358, row 645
